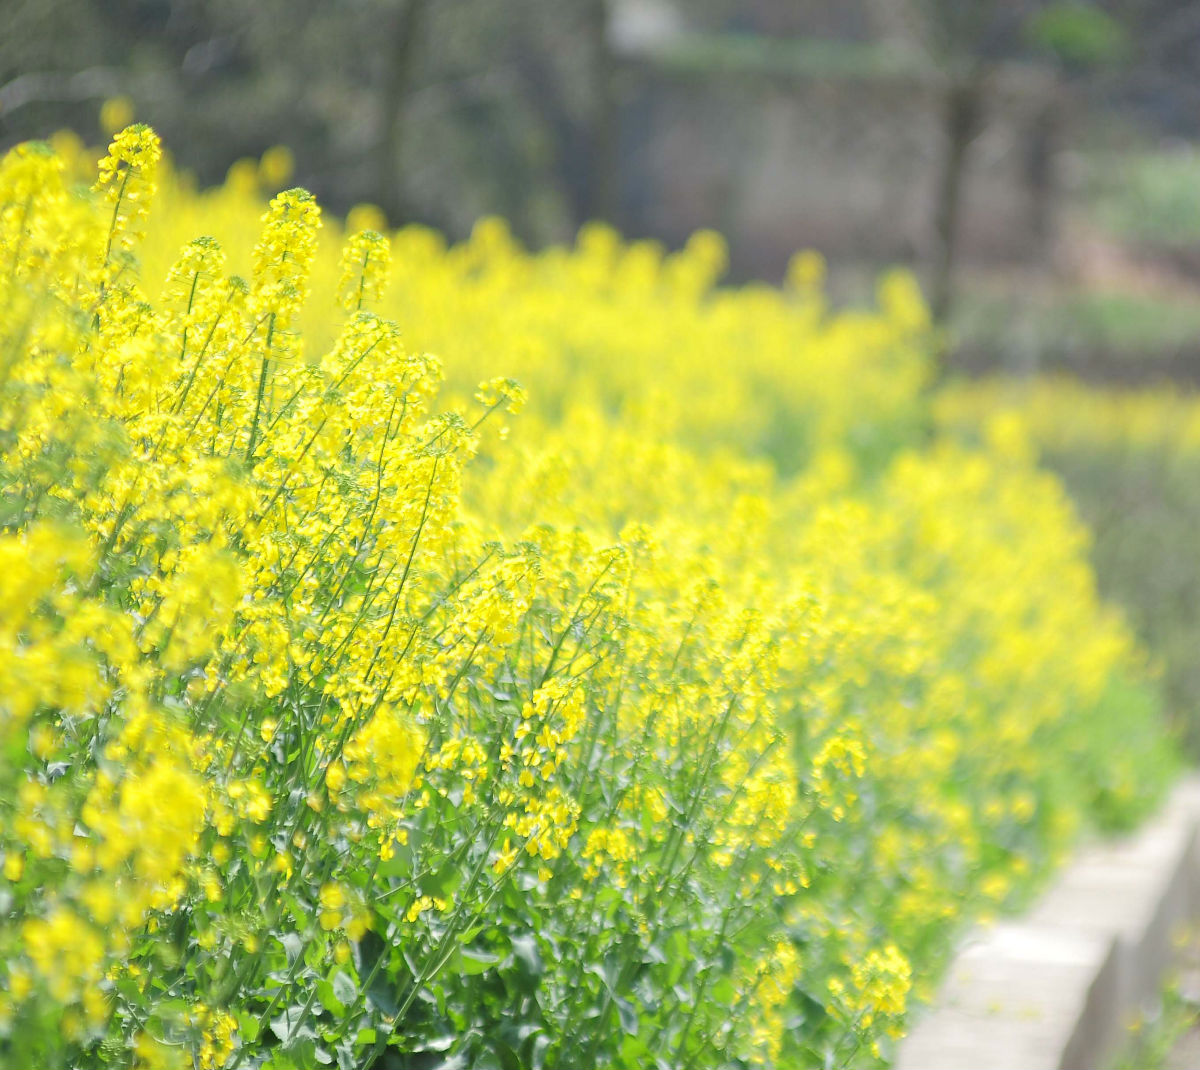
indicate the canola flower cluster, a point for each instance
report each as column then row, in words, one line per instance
column 1060, row 414
column 1131, row 460
column 349, row 718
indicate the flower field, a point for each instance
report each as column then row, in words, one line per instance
column 1131, row 461
column 362, row 707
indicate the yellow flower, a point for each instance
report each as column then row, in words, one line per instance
column 116, row 113
column 128, row 180
column 366, row 260
column 14, row 867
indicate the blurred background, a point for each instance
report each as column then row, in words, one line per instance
column 1036, row 163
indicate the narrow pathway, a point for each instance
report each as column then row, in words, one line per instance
column 1054, row 987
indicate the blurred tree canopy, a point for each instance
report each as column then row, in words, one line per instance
column 441, row 112
column 436, row 111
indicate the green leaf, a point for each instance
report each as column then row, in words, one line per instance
column 471, row 962
column 329, row 999
column 526, row 952
column 443, row 1043
column 292, row 1026
column 293, row 946
column 634, row 1052
column 344, row 987
column 383, row 999
column 628, row 1016
column 537, row 1055
column 247, row 1026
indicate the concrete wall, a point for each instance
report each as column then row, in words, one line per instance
column 848, row 166
column 1055, row 988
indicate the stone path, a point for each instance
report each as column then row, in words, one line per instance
column 1054, row 990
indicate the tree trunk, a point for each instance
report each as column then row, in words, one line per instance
column 963, row 106
column 602, row 149
column 404, row 30
column 1044, row 138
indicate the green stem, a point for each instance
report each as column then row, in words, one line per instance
column 262, row 389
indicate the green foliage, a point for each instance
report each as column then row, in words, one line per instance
column 1098, row 333
column 1143, row 504
column 339, row 727
column 1131, row 461
column 1148, row 195
column 1078, row 34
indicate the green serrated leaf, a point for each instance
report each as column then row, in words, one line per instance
column 344, row 988
column 293, row 1026
column 329, row 999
